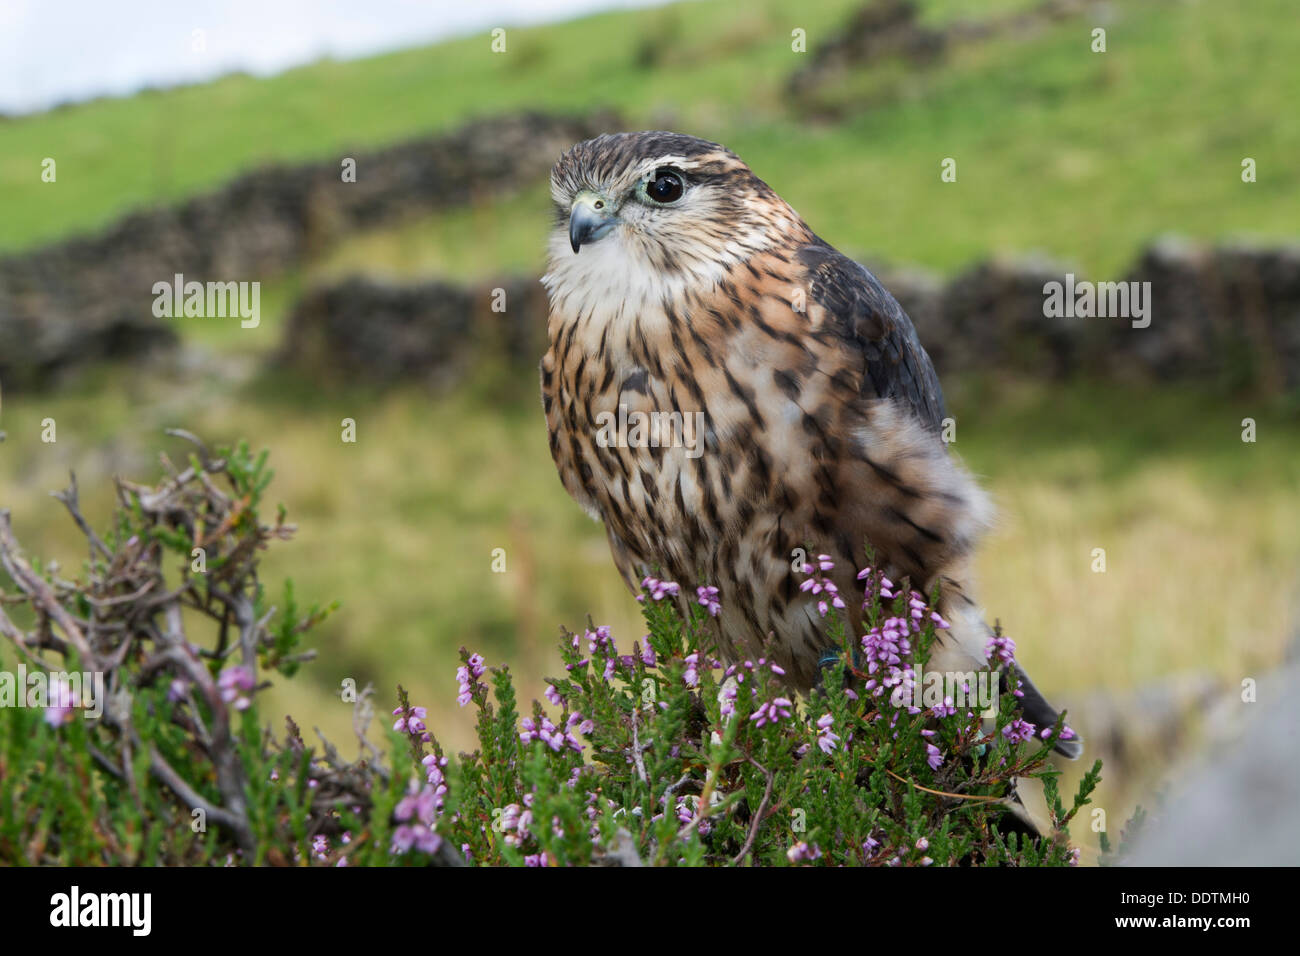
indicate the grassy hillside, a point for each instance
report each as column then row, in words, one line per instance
column 1083, row 155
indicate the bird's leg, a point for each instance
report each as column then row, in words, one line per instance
column 830, row 657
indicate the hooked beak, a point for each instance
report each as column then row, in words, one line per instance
column 591, row 217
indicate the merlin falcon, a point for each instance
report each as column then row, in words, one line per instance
column 680, row 282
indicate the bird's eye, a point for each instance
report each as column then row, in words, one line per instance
column 665, row 186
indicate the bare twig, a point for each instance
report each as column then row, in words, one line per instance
column 43, row 598
column 758, row 817
column 71, row 501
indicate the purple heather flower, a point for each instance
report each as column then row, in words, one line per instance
column 437, row 780
column 875, row 578
column 829, row 594
column 934, row 756
column 803, row 853
column 660, row 589
column 235, row 683
column 553, row 695
column 599, row 639
column 406, row 807
column 409, row 721
column 648, row 655
column 403, row 839
column 464, row 686
column 417, row 837
column 707, row 597
column 1003, row 648
column 416, row 812
column 467, row 676
column 727, row 698
column 826, row 738
column 1018, row 731
column 1066, row 732
column 529, row 732
column 772, row 711
column 177, row 689
column 476, row 667
column 320, row 846
column 685, row 812
column 884, row 647
column 691, row 677
column 946, row 709
column 62, row 702
column 575, row 719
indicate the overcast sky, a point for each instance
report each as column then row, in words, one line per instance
column 53, row 51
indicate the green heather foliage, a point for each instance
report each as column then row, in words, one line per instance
column 639, row 760
column 658, row 756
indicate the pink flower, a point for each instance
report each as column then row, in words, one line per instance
column 235, row 684
column 826, row 738
column 707, row 597
column 934, row 756
column 659, row 589
column 772, row 711
column 803, row 853
column 1003, row 648
column 692, row 675
column 1018, row 731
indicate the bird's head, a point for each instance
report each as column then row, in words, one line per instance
column 653, row 210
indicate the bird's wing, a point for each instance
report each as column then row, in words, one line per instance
column 868, row 318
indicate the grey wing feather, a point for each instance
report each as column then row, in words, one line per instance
column 868, row 317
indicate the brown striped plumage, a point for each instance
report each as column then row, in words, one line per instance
column 821, row 410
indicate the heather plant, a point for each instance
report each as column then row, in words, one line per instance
column 130, row 730
column 660, row 754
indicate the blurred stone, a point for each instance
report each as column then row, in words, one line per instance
column 874, row 32
column 90, row 299
column 370, row 331
column 1139, row 733
column 1227, row 316
column 1235, row 804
